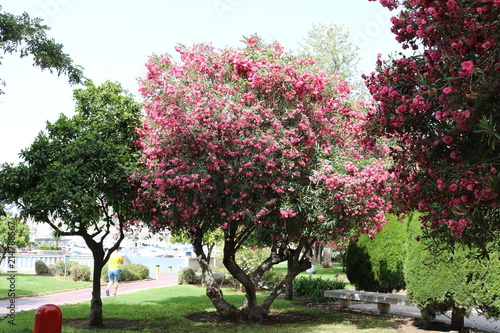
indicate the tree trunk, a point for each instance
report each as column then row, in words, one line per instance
column 95, row 317
column 299, row 260
column 213, row 292
column 457, row 319
column 327, row 256
column 250, row 309
column 289, row 282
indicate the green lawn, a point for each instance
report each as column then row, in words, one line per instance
column 165, row 310
column 37, row 285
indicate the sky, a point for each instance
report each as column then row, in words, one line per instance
column 113, row 39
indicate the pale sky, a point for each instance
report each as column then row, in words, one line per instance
column 112, row 40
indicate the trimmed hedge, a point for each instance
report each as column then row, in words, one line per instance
column 377, row 264
column 441, row 281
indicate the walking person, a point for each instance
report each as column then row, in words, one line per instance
column 115, row 263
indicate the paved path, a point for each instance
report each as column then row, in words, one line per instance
column 82, row 295
column 474, row 321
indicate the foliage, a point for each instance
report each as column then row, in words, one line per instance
column 28, row 37
column 314, row 288
column 130, row 272
column 134, row 272
column 445, row 280
column 44, row 247
column 75, row 176
column 376, row 264
column 80, row 272
column 41, row 268
column 255, row 139
column 330, row 48
column 186, row 275
column 440, row 105
column 61, row 267
column 13, row 234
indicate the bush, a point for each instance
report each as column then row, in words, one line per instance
column 186, row 275
column 130, row 272
column 270, row 279
column 44, row 247
column 441, row 281
column 133, row 272
column 314, row 288
column 377, row 264
column 42, row 269
column 80, row 272
column 60, row 267
column 52, row 269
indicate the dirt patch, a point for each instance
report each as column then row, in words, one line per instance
column 274, row 318
column 109, row 323
column 398, row 323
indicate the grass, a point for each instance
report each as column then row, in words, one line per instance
column 165, row 310
column 38, row 285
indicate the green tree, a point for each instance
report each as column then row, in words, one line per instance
column 75, row 176
column 13, row 234
column 28, row 36
column 330, row 48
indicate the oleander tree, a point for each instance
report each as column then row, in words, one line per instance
column 441, row 106
column 254, row 140
column 75, row 175
column 28, row 37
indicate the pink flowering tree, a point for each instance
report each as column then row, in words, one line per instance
column 441, row 105
column 249, row 139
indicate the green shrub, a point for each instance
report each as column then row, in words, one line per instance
column 130, row 272
column 271, row 279
column 41, row 268
column 186, row 275
column 134, row 272
column 80, row 272
column 60, row 267
column 314, row 288
column 377, row 264
column 44, row 247
column 52, row 269
column 441, row 281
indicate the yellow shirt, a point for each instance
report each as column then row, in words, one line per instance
column 115, row 261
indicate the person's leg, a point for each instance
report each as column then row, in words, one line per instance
column 117, row 278
column 112, row 278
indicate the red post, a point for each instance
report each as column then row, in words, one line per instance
column 48, row 319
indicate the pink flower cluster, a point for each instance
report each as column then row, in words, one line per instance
column 433, row 103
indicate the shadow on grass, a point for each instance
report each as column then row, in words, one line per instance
column 194, row 312
column 169, row 309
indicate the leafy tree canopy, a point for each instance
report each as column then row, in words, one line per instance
column 75, row 176
column 28, row 37
column 13, row 234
